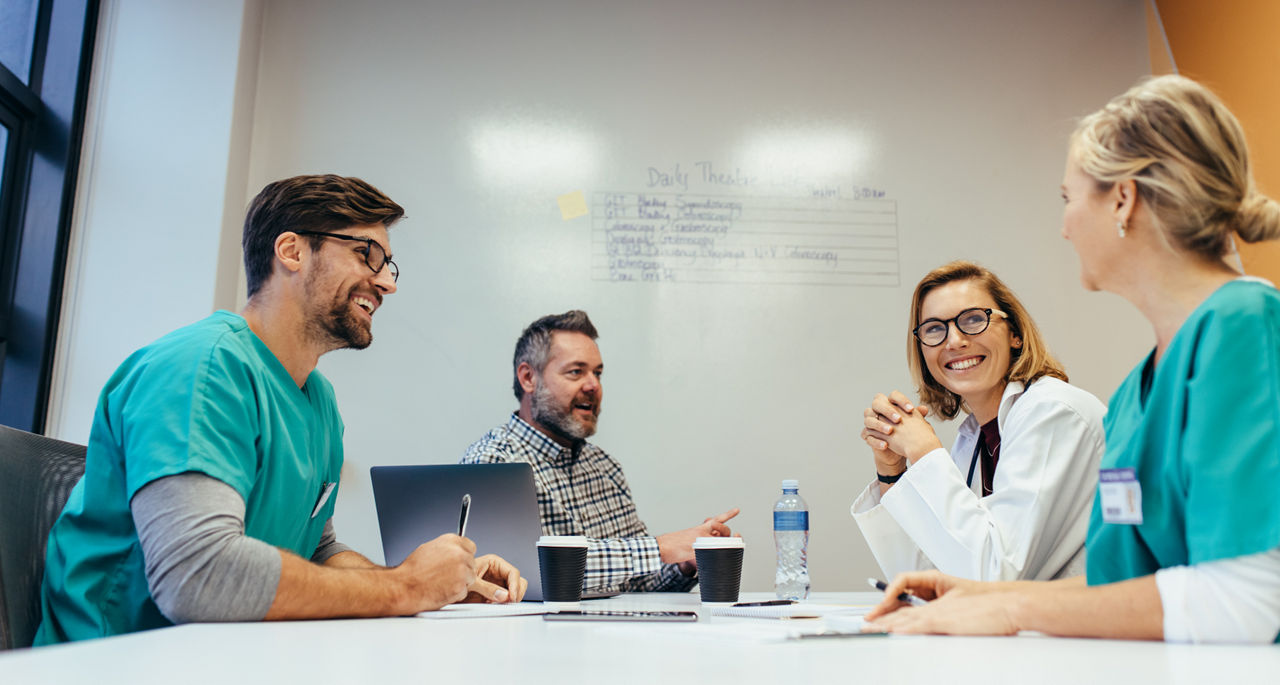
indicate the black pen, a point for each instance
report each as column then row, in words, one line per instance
column 904, row 597
column 466, row 513
column 770, row 603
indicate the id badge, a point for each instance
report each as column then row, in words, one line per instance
column 1121, row 496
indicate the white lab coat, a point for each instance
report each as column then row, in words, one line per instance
column 1034, row 523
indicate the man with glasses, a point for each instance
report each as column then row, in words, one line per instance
column 215, row 451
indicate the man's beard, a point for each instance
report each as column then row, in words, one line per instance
column 557, row 419
column 345, row 328
column 340, row 327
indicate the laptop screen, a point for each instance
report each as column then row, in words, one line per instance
column 416, row 504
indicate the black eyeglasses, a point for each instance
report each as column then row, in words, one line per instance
column 375, row 257
column 933, row 332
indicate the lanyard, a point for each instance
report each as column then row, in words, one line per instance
column 977, row 449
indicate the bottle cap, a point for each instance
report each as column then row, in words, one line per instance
column 790, row 484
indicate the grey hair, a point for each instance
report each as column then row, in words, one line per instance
column 534, row 346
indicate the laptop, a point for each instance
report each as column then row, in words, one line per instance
column 418, row 503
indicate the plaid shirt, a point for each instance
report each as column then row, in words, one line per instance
column 585, row 494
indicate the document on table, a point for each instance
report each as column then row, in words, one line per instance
column 739, row 631
column 485, row 610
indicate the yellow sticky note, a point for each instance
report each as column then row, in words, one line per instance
column 572, row 205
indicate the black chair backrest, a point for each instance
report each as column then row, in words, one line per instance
column 36, row 477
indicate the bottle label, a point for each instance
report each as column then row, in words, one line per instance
column 791, row 520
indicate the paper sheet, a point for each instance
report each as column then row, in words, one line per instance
column 738, row 631
column 485, row 610
column 799, row 610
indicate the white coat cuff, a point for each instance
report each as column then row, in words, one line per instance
column 932, row 456
column 933, row 460
column 892, row 548
column 868, row 500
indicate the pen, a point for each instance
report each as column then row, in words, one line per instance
column 466, row 513
column 832, row 633
column 904, row 597
column 770, row 603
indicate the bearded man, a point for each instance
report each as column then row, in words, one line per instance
column 215, row 452
column 581, row 489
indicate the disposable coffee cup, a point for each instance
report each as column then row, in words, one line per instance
column 719, row 568
column 562, row 562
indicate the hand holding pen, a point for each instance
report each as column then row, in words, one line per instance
column 926, row 586
column 902, row 597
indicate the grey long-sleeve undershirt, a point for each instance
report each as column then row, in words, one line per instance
column 200, row 565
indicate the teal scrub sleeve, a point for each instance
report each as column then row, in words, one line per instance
column 1231, row 444
column 192, row 413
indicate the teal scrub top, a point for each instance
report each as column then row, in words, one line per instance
column 1199, row 428
column 212, row 398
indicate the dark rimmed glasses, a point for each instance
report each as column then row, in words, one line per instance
column 375, row 257
column 972, row 321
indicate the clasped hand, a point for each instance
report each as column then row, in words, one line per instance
column 897, row 432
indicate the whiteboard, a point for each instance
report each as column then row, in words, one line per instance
column 508, row 129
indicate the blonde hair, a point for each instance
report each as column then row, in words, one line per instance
column 1186, row 153
column 1029, row 363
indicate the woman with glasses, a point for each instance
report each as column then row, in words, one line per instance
column 1011, row 498
column 1184, row 539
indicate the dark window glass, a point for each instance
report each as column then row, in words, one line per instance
column 8, row 174
column 45, row 51
column 18, row 35
column 4, row 151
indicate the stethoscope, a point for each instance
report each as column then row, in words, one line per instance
column 973, row 462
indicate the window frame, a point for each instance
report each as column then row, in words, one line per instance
column 36, row 198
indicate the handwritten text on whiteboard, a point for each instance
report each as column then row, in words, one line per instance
column 680, row 237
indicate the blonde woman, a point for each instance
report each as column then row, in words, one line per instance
column 1011, row 498
column 1184, row 536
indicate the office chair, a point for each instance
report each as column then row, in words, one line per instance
column 36, row 477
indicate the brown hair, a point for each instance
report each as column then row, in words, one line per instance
column 311, row 203
column 1186, row 153
column 1030, row 362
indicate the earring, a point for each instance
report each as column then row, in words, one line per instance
column 1120, row 228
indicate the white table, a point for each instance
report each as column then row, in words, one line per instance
column 526, row 649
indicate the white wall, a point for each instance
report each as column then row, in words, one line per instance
column 161, row 191
column 715, row 391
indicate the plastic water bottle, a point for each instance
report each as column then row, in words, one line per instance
column 791, row 535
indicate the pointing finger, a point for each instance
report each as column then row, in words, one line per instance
column 728, row 515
